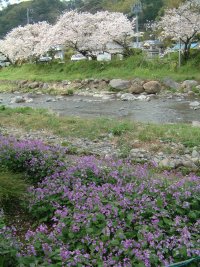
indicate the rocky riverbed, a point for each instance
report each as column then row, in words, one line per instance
column 169, row 108
column 93, row 99
column 164, row 154
column 143, row 100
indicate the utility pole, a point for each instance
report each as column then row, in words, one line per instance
column 179, row 53
column 28, row 11
column 28, row 16
column 136, row 9
column 180, row 46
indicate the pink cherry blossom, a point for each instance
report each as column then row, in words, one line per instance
column 181, row 24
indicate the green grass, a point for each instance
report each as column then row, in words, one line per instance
column 12, row 189
column 6, row 87
column 124, row 132
column 135, row 66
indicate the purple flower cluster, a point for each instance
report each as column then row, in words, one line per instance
column 109, row 213
column 33, row 157
column 116, row 214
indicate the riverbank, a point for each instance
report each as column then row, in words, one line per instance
column 126, row 90
column 109, row 117
column 169, row 146
column 132, row 67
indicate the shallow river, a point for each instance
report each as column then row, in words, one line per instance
column 160, row 110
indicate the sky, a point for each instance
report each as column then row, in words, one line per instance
column 3, row 3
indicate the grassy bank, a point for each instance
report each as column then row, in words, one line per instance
column 124, row 133
column 135, row 66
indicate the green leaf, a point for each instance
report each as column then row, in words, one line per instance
column 159, row 203
column 183, row 252
column 99, row 263
column 140, row 264
column 105, row 238
column 130, row 217
column 89, row 230
column 167, row 221
column 140, row 236
column 115, row 242
column 71, row 235
column 192, row 215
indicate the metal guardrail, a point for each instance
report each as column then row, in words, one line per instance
column 187, row 263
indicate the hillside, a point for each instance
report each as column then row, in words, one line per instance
column 150, row 8
column 39, row 10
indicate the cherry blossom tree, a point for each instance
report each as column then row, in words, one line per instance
column 86, row 33
column 26, row 42
column 90, row 33
column 182, row 24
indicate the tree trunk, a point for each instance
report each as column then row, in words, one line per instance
column 186, row 51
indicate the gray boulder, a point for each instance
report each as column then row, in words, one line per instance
column 45, row 86
column 171, row 84
column 18, row 99
column 119, row 84
column 22, row 83
column 33, row 85
column 188, row 85
column 189, row 164
column 195, row 105
column 152, row 87
column 127, row 97
column 168, row 163
column 196, row 123
column 65, row 82
column 195, row 154
column 41, row 84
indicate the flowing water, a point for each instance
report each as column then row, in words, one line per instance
column 159, row 110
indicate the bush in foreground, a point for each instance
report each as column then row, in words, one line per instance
column 34, row 158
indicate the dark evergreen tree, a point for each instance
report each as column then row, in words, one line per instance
column 38, row 10
column 49, row 10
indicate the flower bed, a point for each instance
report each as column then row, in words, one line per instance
column 34, row 158
column 107, row 213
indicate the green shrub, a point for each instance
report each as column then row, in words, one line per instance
column 120, row 128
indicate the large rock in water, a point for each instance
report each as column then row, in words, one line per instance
column 119, row 84
column 128, row 97
column 18, row 99
column 152, row 87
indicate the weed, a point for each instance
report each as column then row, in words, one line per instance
column 70, row 92
column 121, row 128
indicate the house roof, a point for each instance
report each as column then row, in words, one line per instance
column 193, row 45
